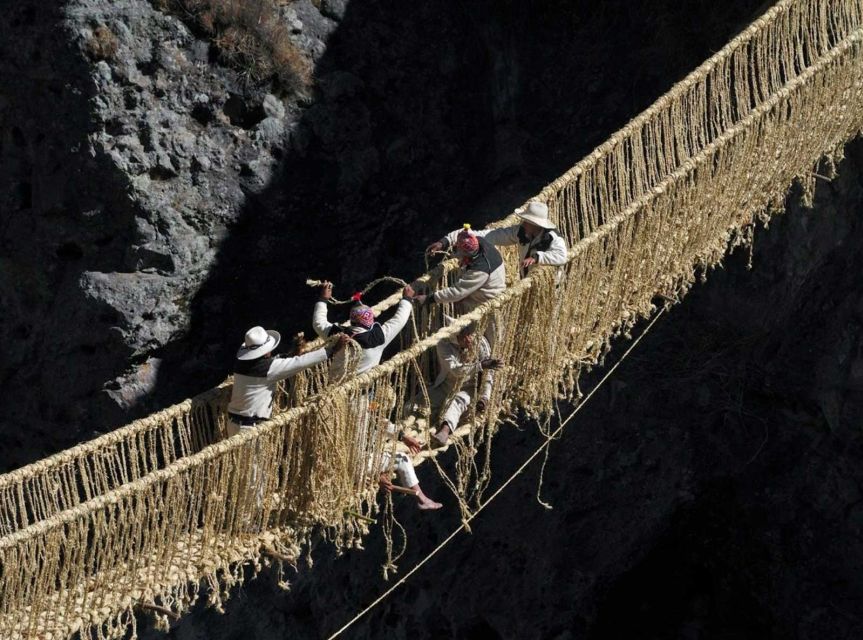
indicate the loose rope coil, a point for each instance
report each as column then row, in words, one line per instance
column 369, row 287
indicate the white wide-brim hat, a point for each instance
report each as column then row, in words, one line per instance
column 535, row 213
column 258, row 342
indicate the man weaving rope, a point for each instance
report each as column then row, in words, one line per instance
column 372, row 339
column 482, row 275
column 257, row 372
column 462, row 360
column 539, row 242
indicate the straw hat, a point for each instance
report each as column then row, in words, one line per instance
column 535, row 213
column 258, row 342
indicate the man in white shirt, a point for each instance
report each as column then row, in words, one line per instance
column 257, row 372
column 372, row 338
column 256, row 375
column 538, row 240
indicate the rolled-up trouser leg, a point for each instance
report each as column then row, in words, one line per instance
column 403, row 467
column 456, row 407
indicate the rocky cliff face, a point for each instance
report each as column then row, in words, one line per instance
column 126, row 157
column 154, row 203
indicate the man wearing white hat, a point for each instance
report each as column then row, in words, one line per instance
column 538, row 240
column 257, row 373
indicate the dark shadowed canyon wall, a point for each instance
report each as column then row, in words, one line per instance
column 711, row 488
column 155, row 204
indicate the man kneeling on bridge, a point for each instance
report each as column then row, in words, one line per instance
column 461, row 361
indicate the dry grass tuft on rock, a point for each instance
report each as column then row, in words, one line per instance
column 102, row 45
column 251, row 36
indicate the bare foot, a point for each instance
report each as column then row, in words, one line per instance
column 424, row 503
column 428, row 504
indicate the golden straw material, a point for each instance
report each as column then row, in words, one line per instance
column 144, row 517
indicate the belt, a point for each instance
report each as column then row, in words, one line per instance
column 245, row 421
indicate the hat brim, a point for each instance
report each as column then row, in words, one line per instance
column 545, row 223
column 251, row 353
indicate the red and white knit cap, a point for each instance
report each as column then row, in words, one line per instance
column 466, row 242
column 361, row 315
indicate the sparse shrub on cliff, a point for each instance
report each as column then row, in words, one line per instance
column 102, row 45
column 251, row 36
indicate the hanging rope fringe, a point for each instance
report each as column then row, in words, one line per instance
column 148, row 513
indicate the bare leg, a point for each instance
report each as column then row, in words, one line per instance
column 423, row 501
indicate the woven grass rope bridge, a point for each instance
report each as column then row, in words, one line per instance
column 148, row 516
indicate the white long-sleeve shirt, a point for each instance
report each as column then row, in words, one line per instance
column 555, row 254
column 371, row 356
column 255, row 381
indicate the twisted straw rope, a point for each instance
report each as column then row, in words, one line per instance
column 578, row 169
column 649, row 188
column 368, row 287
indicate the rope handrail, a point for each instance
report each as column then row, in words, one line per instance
column 646, row 233
column 691, row 165
column 635, row 129
column 263, row 429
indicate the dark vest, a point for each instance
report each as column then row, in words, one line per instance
column 257, row 368
column 544, row 242
column 488, row 259
column 370, row 339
